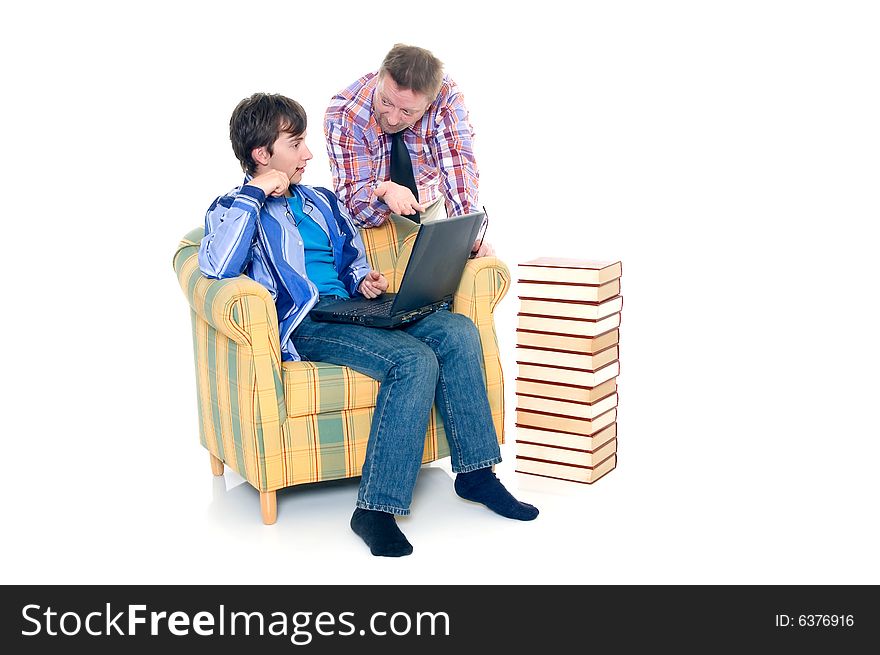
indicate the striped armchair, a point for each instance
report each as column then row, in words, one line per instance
column 279, row 424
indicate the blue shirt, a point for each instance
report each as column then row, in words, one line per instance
column 246, row 232
column 320, row 266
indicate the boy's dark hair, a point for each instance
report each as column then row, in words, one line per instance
column 257, row 121
column 415, row 69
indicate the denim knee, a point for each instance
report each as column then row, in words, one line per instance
column 418, row 361
column 461, row 335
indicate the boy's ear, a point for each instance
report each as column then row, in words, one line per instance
column 261, row 155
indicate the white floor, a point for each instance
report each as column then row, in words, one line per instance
column 172, row 522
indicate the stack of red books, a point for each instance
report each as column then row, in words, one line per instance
column 567, row 356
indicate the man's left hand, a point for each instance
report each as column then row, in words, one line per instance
column 373, row 285
column 486, row 249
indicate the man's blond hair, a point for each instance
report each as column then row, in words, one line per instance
column 414, row 68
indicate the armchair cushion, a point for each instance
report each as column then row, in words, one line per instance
column 319, row 388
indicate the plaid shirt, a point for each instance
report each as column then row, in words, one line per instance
column 440, row 146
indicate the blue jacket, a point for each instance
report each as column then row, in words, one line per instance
column 246, row 232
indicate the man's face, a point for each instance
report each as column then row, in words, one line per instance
column 397, row 108
column 289, row 155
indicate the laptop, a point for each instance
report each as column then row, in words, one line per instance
column 429, row 282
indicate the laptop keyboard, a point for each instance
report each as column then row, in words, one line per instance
column 373, row 309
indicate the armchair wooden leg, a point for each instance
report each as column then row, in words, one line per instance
column 268, row 506
column 216, row 465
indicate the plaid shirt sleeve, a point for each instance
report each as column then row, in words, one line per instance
column 354, row 173
column 455, row 155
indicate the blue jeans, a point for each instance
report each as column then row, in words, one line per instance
column 437, row 359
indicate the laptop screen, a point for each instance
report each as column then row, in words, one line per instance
column 438, row 258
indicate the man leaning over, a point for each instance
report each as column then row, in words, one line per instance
column 400, row 140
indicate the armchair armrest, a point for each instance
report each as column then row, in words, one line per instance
column 484, row 282
column 238, row 308
column 242, row 311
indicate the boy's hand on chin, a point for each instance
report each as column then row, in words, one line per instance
column 273, row 182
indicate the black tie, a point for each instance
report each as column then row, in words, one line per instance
column 401, row 168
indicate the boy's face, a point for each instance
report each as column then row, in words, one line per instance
column 289, row 155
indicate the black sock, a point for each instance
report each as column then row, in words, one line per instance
column 481, row 486
column 380, row 532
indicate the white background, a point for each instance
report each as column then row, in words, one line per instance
column 726, row 152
